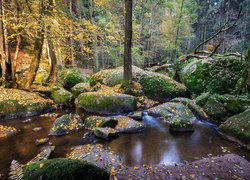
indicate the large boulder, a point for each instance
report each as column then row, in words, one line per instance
column 63, row 168
column 79, row 89
column 70, row 76
column 7, row 131
column 154, row 85
column 17, row 103
column 219, row 74
column 196, row 109
column 61, row 96
column 238, row 126
column 222, row 106
column 106, row 103
column 100, row 156
column 172, row 111
column 66, row 124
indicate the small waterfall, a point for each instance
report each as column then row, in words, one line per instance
column 152, row 121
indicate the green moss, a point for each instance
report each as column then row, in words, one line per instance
column 79, row 89
column 202, row 99
column 106, row 103
column 62, row 168
column 238, row 126
column 71, row 76
column 61, row 96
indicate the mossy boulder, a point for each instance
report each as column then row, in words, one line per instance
column 238, row 126
column 158, row 86
column 70, row 76
column 97, row 154
column 7, row 131
column 196, row 109
column 215, row 108
column 106, row 103
column 172, row 111
column 17, row 103
column 66, row 124
column 61, row 96
column 79, row 89
column 223, row 106
column 63, row 168
column 154, row 85
column 219, row 74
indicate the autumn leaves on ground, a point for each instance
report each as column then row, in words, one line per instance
column 79, row 75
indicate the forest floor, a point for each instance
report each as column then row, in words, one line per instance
column 229, row 166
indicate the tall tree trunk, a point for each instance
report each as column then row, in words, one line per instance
column 72, row 53
column 27, row 81
column 128, row 42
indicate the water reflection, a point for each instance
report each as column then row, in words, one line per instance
column 171, row 154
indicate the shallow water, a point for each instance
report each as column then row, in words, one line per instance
column 155, row 145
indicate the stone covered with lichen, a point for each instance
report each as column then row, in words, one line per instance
column 66, row 124
column 219, row 74
column 70, row 76
column 153, row 85
column 97, row 154
column 79, row 89
column 17, row 103
column 7, row 131
column 105, row 102
column 63, row 168
column 61, row 96
column 238, row 126
column 181, row 126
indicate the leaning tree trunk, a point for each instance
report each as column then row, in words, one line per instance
column 128, row 42
column 27, row 81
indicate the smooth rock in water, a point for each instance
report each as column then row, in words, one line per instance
column 172, row 111
column 70, row 76
column 181, row 126
column 196, row 109
column 7, row 131
column 105, row 133
column 41, row 141
column 66, row 124
column 80, row 88
column 238, row 126
column 106, row 103
column 99, row 121
column 61, row 96
column 102, row 157
column 136, row 115
column 63, row 168
column 44, row 154
column 128, row 125
column 36, row 129
column 16, row 103
column 89, row 137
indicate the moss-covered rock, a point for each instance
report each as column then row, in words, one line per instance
column 128, row 125
column 92, row 122
column 181, row 126
column 196, row 110
column 7, row 131
column 63, row 168
column 215, row 75
column 238, row 126
column 17, row 103
column 66, row 124
column 61, row 96
column 105, row 133
column 100, row 156
column 172, row 111
column 106, row 103
column 215, row 108
column 202, row 99
column 154, row 85
column 79, row 89
column 70, row 76
column 159, row 86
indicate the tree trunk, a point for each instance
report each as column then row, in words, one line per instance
column 128, row 42
column 27, row 81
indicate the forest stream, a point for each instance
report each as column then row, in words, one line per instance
column 155, row 145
